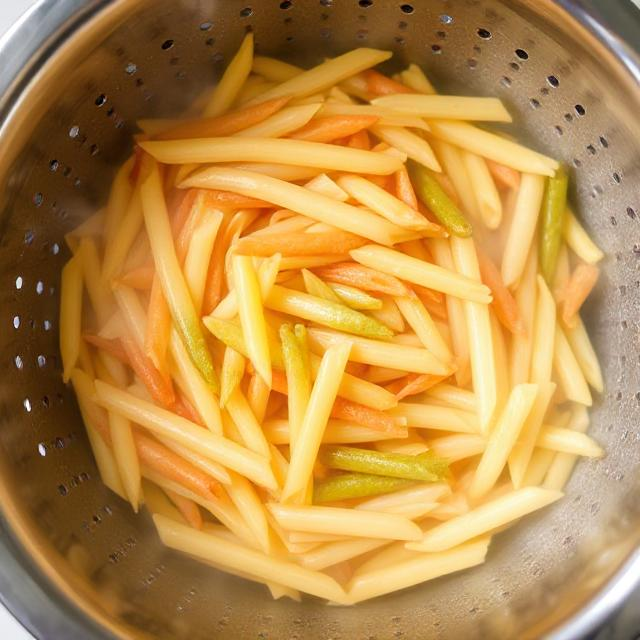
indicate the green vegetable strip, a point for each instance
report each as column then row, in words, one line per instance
column 230, row 333
column 431, row 193
column 425, row 467
column 330, row 314
column 355, row 298
column 298, row 380
column 356, row 485
column 554, row 207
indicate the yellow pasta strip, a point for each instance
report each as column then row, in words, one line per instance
column 84, row 388
column 214, row 469
column 414, row 78
column 117, row 247
column 414, row 146
column 349, row 522
column 485, row 518
column 251, row 314
column 173, row 283
column 382, row 202
column 452, row 396
column 323, row 395
column 250, row 431
column 569, row 441
column 235, row 557
column 383, row 354
column 336, row 432
column 486, row 194
column 492, row 146
column 282, row 122
column 328, row 73
column 423, row 273
column 274, row 70
column 458, row 446
column 267, row 273
column 522, row 343
column 195, row 386
column 425, row 328
column 190, row 435
column 421, row 493
column 520, row 456
column 126, row 457
column 286, row 172
column 502, row 438
column 543, row 334
column 99, row 293
column 440, row 107
column 452, row 160
column 429, row 416
column 70, row 315
column 523, row 226
column 563, row 463
column 232, row 80
column 244, row 497
column 387, row 117
column 480, row 340
column 198, row 255
column 567, row 368
column 455, row 312
column 296, row 198
column 287, row 151
column 332, row 553
column 585, row 354
column 416, row 569
column 119, row 200
column 579, row 241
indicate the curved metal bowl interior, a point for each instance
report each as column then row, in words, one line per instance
column 66, row 120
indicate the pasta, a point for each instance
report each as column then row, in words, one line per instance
column 332, row 337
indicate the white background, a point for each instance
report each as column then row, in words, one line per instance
column 10, row 11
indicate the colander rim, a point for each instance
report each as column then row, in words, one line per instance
column 25, row 590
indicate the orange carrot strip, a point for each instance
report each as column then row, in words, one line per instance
column 362, row 277
column 503, row 303
column 113, row 347
column 365, row 416
column 357, row 369
column 503, row 175
column 404, row 189
column 581, row 283
column 180, row 206
column 159, row 458
column 333, row 127
column 214, row 288
column 350, row 411
column 216, row 198
column 298, row 243
column 381, row 85
column 434, row 301
column 360, row 140
column 413, row 383
column 140, row 278
column 158, row 329
column 159, row 386
column 185, row 409
column 187, row 508
column 227, row 124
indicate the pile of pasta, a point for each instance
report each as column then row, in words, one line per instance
column 327, row 330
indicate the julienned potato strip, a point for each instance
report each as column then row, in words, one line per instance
column 348, row 311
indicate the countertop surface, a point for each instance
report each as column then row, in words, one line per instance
column 626, row 625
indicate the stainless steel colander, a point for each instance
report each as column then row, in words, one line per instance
column 74, row 77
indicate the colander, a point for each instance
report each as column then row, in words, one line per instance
column 75, row 562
